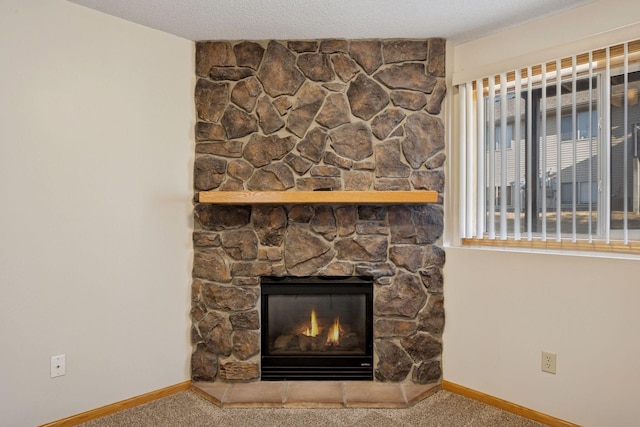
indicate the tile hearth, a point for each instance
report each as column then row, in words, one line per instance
column 314, row 394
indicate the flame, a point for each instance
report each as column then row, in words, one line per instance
column 314, row 325
column 334, row 333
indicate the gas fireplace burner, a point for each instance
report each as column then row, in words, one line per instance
column 317, row 328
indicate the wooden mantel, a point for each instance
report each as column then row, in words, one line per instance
column 318, row 197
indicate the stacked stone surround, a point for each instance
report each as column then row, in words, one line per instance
column 334, row 115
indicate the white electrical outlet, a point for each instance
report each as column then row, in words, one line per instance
column 58, row 366
column 549, row 362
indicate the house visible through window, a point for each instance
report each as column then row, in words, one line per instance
column 569, row 165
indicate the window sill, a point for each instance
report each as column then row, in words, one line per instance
column 552, row 245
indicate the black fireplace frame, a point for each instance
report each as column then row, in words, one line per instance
column 317, row 367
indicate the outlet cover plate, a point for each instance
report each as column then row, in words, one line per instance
column 549, row 362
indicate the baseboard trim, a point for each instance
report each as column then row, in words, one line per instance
column 119, row 406
column 507, row 406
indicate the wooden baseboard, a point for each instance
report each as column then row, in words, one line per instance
column 507, row 406
column 119, row 406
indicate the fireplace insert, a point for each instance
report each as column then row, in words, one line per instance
column 317, row 328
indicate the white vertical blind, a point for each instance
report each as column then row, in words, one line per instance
column 536, row 150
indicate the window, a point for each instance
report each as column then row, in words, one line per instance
column 569, row 165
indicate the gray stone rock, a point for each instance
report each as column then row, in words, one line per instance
column 422, row 347
column 364, row 166
column 318, row 183
column 233, row 74
column 316, row 67
column 305, row 108
column 268, row 117
column 388, row 160
column 376, row 270
column 273, row 177
column 216, row 334
column 357, row 180
column 297, row 163
column 240, row 244
column 221, row 148
column 386, row 328
column 262, row 150
column 301, row 213
column 362, row 248
column 437, row 96
column 346, row 217
column 331, row 158
column 209, row 132
column 393, row 363
column 424, row 138
column 270, row 223
column 209, row 54
column 391, row 184
column 366, row 97
column 334, row 112
column 404, row 50
column 246, row 344
column 324, row 222
column 210, row 264
column 238, row 123
column 245, row 281
column 205, row 239
column 432, row 279
column 334, row 46
column 270, row 254
column 427, row 373
column 302, row 46
column 211, row 99
column 249, row 320
column 220, row 217
column 335, row 86
column 204, row 364
column 229, row 298
column 408, row 100
column 403, row 298
column 352, row 141
column 409, row 257
column 232, row 184
column 253, row 268
column 434, row 256
column 431, row 320
column 410, row 76
column 384, row 123
column 245, row 93
column 367, row 53
column 208, row 172
column 372, row 213
column 248, row 54
column 312, row 146
column 437, row 57
column 415, row 224
column 325, row 171
column 436, row 161
column 428, row 180
column 239, row 169
column 278, row 72
column 345, row 67
column 337, row 268
column 305, row 253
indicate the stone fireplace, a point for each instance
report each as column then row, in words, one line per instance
column 332, row 115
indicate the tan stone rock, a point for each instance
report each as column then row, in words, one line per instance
column 262, row 150
column 357, row 180
column 410, row 76
column 404, row 50
column 270, row 223
column 238, row 123
column 334, row 46
column 206, row 131
column 273, row 177
column 362, row 248
column 302, row 46
column 393, row 363
column 367, row 53
column 316, row 67
column 219, row 217
column 366, row 97
column 248, row 54
column 239, row 169
column 240, row 244
column 245, row 93
column 344, row 67
column 209, row 54
column 229, row 298
column 305, row 253
column 226, row 73
column 408, row 100
column 208, row 172
column 210, row 264
column 389, row 162
column 305, row 108
column 313, row 145
column 384, row 123
column 403, row 298
column 278, row 72
column 334, row 112
column 220, row 148
column 297, row 163
column 437, row 57
column 424, row 137
column 428, row 180
column 437, row 96
column 269, row 118
column 352, row 140
column 211, row 99
column 246, row 344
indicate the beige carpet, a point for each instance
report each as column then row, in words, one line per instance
column 189, row 409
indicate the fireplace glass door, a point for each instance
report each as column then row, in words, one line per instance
column 317, row 328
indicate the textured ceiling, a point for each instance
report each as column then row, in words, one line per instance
column 457, row 20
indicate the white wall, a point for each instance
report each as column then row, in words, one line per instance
column 503, row 308
column 96, row 119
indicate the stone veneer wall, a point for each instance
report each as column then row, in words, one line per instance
column 306, row 115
